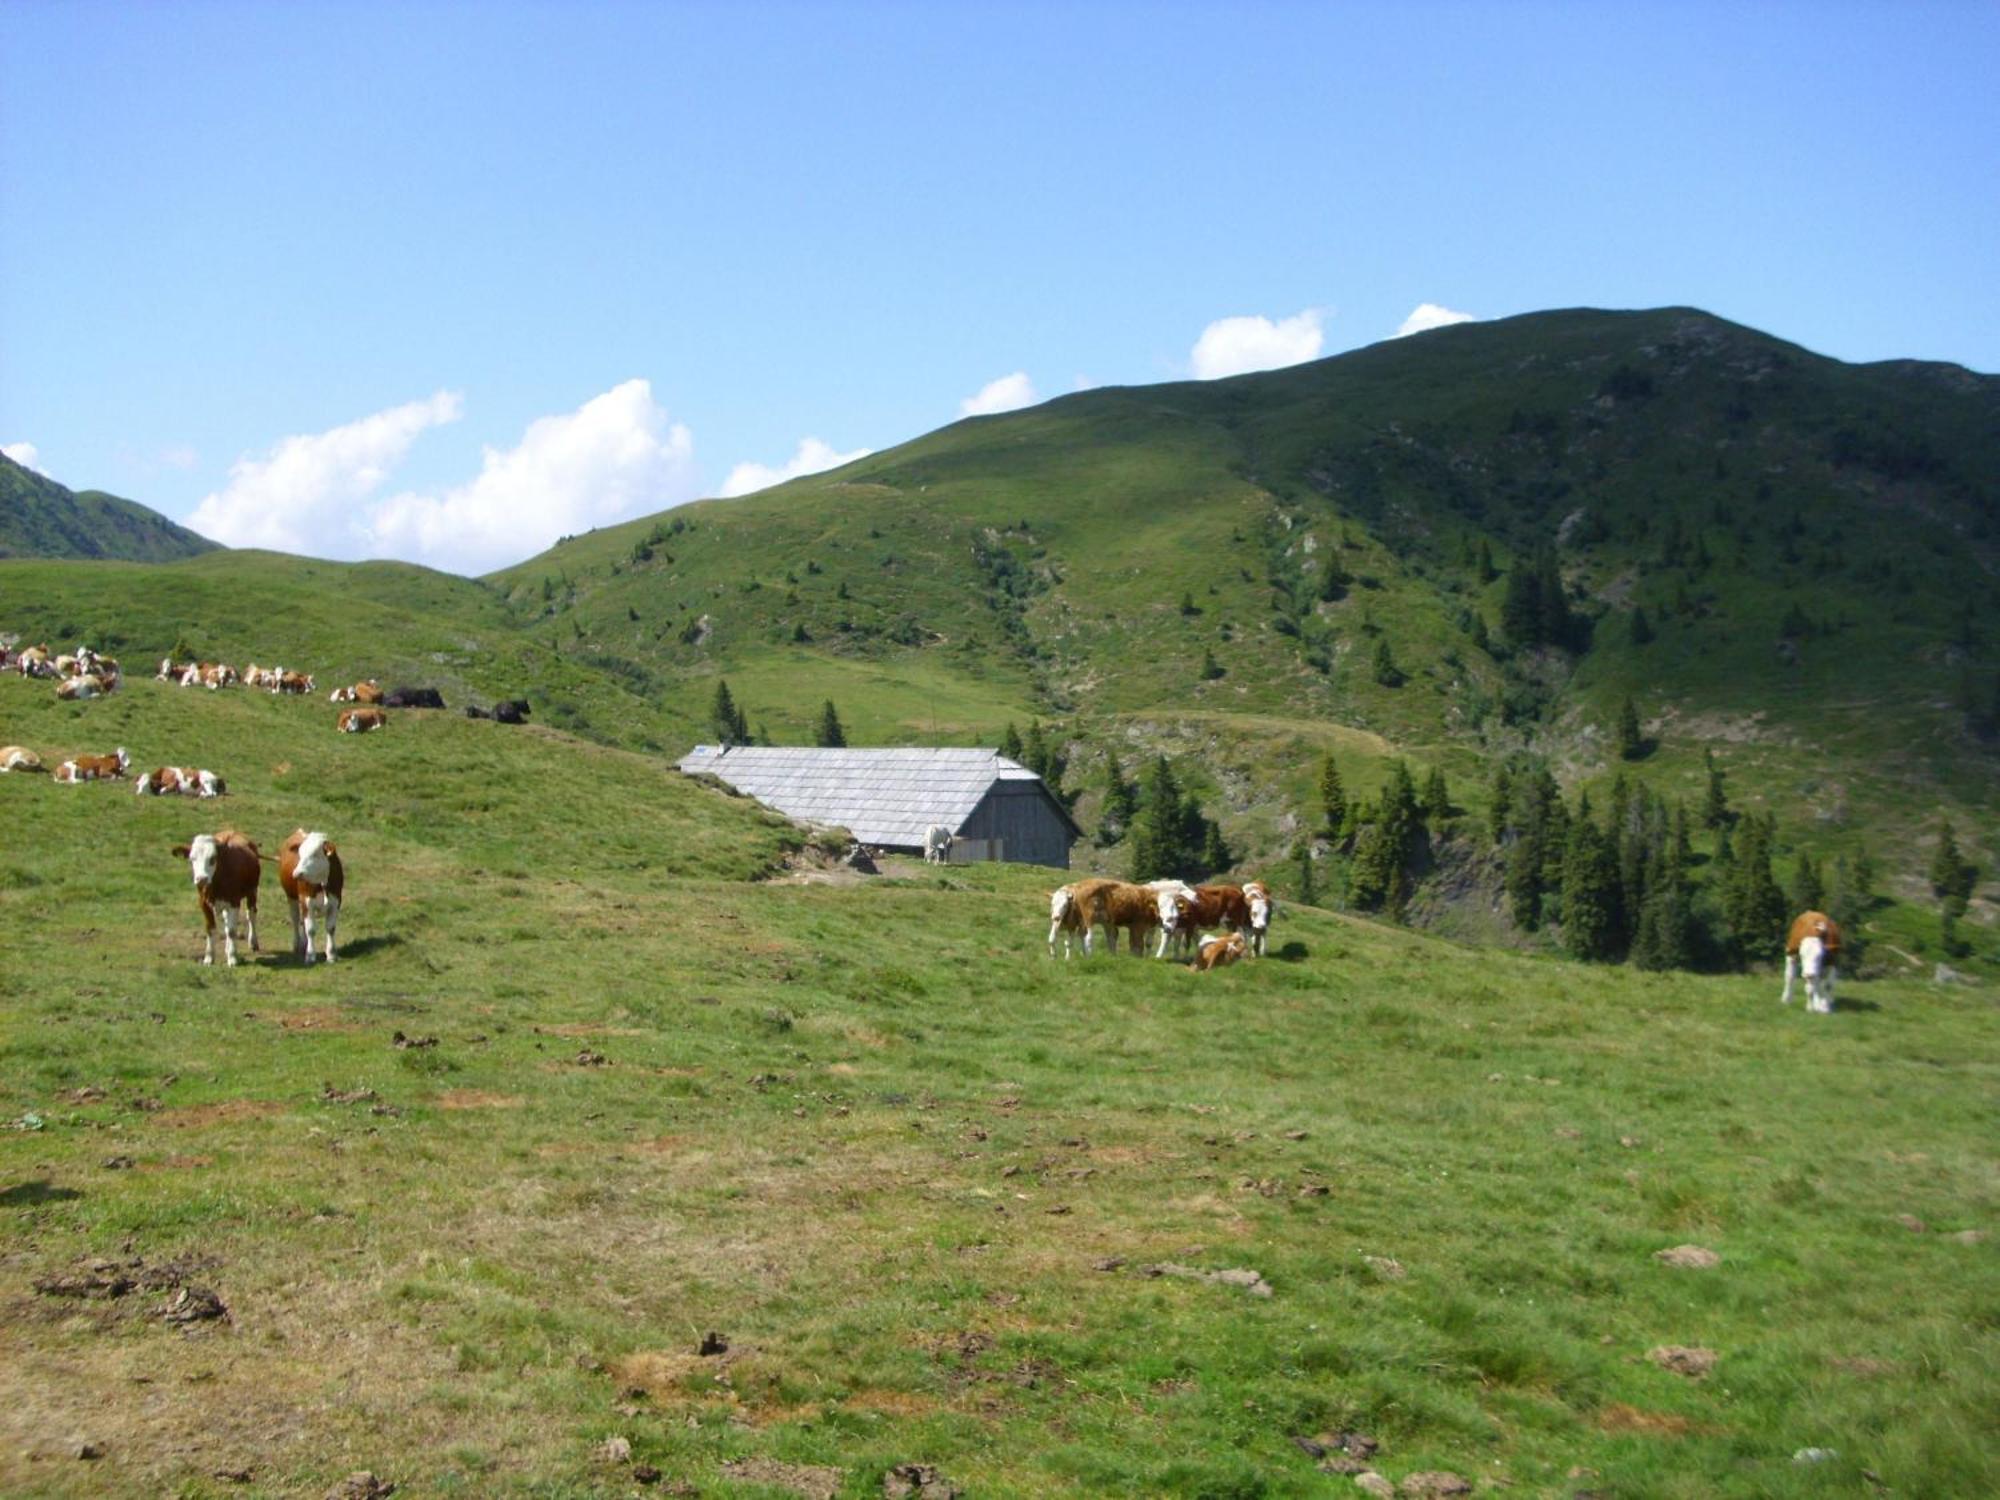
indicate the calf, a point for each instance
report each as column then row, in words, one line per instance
column 1219, row 952
column 226, row 868
column 94, row 767
column 361, row 720
column 1812, row 947
column 309, row 869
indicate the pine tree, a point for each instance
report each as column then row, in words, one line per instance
column 726, row 718
column 1521, row 609
column 1487, row 572
column 1499, row 810
column 1436, row 799
column 1210, row 667
column 1480, row 638
column 1216, row 855
column 1010, row 744
column 1035, row 751
column 1557, row 626
column 1631, row 741
column 830, row 735
column 1386, row 671
column 1159, row 830
column 1642, row 628
column 1753, row 906
column 1715, row 813
column 1379, row 877
column 1334, row 577
column 1589, row 893
column 1120, row 802
column 1808, row 891
column 1952, row 879
column 1308, row 887
column 1332, row 798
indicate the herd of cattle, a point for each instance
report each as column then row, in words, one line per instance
column 1174, row 909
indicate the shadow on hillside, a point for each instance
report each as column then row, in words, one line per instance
column 1859, row 1005
column 41, row 1190
column 1294, row 952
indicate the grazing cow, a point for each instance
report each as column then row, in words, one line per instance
column 409, row 697
column 1812, row 947
column 94, row 767
column 309, row 869
column 1262, row 909
column 937, row 844
column 226, row 868
column 19, row 758
column 1115, row 904
column 1218, row 952
column 81, row 687
column 512, row 711
column 1209, row 906
column 361, row 720
column 187, row 781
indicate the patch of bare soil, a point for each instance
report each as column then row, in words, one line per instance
column 1683, row 1359
column 176, row 1163
column 311, row 1018
column 1688, row 1258
column 199, row 1115
column 918, row 1482
column 1618, row 1417
column 808, row 1481
column 588, row 1028
column 478, row 1099
column 1862, row 1368
column 1249, row 1280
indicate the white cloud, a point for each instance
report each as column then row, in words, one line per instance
column 614, row 457
column 179, row 456
column 1236, row 346
column 813, row 457
column 1429, row 315
column 23, row 454
column 302, row 495
column 1008, row 393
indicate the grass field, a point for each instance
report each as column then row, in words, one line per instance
column 917, row 1176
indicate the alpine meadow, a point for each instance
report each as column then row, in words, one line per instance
column 639, row 1141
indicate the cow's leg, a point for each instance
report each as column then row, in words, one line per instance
column 331, row 914
column 305, row 905
column 250, row 919
column 208, row 931
column 1791, row 976
column 229, row 935
column 300, row 939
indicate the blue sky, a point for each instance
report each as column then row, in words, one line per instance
column 443, row 280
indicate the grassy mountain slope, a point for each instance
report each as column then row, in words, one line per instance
column 915, row 1173
column 1814, row 546
column 40, row 518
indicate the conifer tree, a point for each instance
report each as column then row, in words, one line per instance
column 1557, row 626
column 1386, row 671
column 1010, row 744
column 1210, row 667
column 1159, row 830
column 1642, row 628
column 1808, row 890
column 1952, row 879
column 1499, row 810
column 1379, row 877
column 1715, row 812
column 1487, row 572
column 1436, row 800
column 1631, row 741
column 1480, row 638
column 1754, row 907
column 1121, row 800
column 1332, row 798
column 1334, row 577
column 1308, row 885
column 1216, row 855
column 830, row 735
column 726, row 718
column 1521, row 609
column 1589, row 893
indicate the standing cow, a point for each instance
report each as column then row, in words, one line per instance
column 1812, row 947
column 226, row 868
column 310, row 871
column 937, row 844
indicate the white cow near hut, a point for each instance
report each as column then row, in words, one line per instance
column 937, row 845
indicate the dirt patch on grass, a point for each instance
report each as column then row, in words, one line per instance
column 197, row 1116
column 1618, row 1417
column 176, row 1164
column 478, row 1099
column 809, row 1481
column 312, row 1018
column 589, row 1028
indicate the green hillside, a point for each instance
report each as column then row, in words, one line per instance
column 608, row 1125
column 40, row 518
column 1813, row 547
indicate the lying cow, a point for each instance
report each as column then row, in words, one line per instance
column 81, row 687
column 359, row 692
column 94, row 767
column 211, row 675
column 361, row 720
column 409, row 697
column 292, row 682
column 511, row 711
column 34, row 661
column 1812, row 948
column 309, row 869
column 19, row 758
column 185, row 781
column 937, row 844
column 1219, row 952
column 226, row 868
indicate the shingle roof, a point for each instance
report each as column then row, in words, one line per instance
column 884, row 797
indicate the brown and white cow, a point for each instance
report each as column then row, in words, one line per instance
column 358, row 692
column 1262, row 909
column 187, row 781
column 1115, row 904
column 34, row 661
column 82, row 687
column 1219, row 952
column 1203, row 906
column 361, row 720
column 292, row 682
column 1812, row 947
column 94, row 767
column 309, row 869
column 226, row 868
column 19, row 758
column 211, row 675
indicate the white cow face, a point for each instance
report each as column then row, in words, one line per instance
column 312, row 864
column 202, row 855
column 1168, row 904
column 1812, row 957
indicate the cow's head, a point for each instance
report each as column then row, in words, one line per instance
column 1812, row 957
column 312, row 863
column 201, row 854
column 1259, row 897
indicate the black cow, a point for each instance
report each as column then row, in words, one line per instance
column 409, row 697
column 513, row 711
